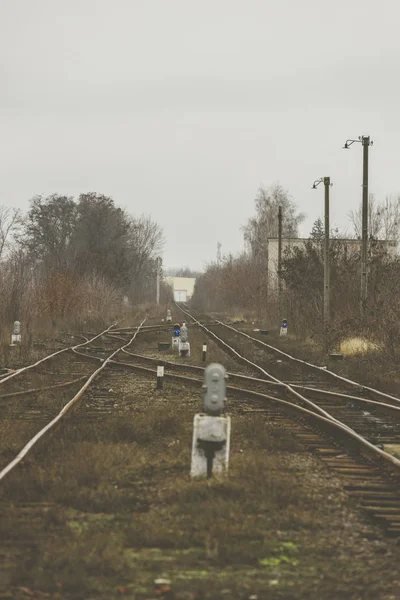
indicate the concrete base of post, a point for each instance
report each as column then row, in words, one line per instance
column 15, row 338
column 169, row 319
column 184, row 348
column 210, row 447
column 175, row 344
column 283, row 331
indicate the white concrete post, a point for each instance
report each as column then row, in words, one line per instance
column 160, row 377
column 204, row 353
column 16, row 334
column 184, row 346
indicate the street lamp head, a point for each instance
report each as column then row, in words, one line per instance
column 316, row 183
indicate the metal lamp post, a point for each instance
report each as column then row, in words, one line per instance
column 327, row 183
column 366, row 142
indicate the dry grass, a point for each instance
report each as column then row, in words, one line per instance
column 122, row 508
column 356, row 345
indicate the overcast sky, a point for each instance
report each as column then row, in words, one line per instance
column 182, row 109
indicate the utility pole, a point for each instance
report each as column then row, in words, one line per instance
column 366, row 142
column 364, row 239
column 327, row 183
column 279, row 263
column 158, row 264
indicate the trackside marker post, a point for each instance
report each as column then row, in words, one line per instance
column 184, row 346
column 160, row 377
column 283, row 327
column 175, row 337
column 16, row 334
column 212, row 430
column 204, row 353
column 169, row 318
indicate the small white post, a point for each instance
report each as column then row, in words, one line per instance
column 16, row 334
column 184, row 346
column 160, row 377
column 169, row 317
column 204, row 353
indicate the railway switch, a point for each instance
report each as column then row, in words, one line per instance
column 211, row 431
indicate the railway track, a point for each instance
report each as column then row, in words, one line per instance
column 25, row 398
column 370, row 474
column 373, row 414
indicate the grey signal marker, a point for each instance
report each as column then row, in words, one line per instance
column 214, row 389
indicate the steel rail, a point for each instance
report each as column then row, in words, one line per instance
column 339, row 395
column 43, row 389
column 42, row 360
column 65, row 409
column 289, row 388
column 300, row 410
column 332, row 373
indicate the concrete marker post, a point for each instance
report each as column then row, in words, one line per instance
column 160, row 376
column 184, row 345
column 204, row 353
column 16, row 334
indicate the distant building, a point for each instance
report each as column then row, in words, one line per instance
column 182, row 287
column 350, row 246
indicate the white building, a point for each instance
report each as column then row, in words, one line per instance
column 182, row 287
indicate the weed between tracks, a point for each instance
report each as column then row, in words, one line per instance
column 114, row 507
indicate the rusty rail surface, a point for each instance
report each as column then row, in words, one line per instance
column 21, row 455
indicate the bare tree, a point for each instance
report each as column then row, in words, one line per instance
column 10, row 219
column 390, row 216
column 145, row 243
column 264, row 224
column 383, row 219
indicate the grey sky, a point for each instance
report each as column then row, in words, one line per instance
column 181, row 109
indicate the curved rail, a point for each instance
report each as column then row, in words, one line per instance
column 42, row 360
column 339, row 395
column 317, row 410
column 288, row 387
column 360, row 386
column 66, row 408
column 299, row 410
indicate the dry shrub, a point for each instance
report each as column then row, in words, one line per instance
column 61, row 296
column 100, row 298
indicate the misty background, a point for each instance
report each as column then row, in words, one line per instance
column 181, row 110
